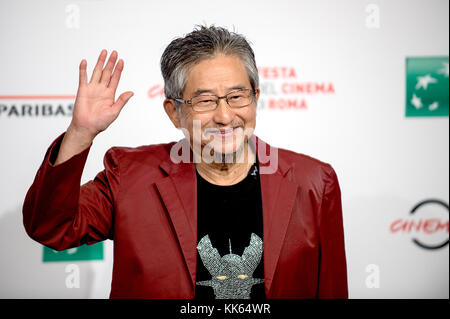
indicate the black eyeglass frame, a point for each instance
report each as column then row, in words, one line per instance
column 189, row 102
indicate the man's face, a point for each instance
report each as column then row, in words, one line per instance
column 219, row 76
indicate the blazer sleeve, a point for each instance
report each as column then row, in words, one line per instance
column 61, row 214
column 333, row 267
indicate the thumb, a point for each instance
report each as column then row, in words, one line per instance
column 122, row 100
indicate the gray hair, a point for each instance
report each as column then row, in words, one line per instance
column 202, row 43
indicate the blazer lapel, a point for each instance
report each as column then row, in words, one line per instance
column 179, row 193
column 278, row 196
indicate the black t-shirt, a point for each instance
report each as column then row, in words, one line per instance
column 229, row 233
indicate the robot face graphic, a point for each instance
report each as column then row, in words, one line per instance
column 231, row 274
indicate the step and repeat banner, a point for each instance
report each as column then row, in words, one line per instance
column 362, row 85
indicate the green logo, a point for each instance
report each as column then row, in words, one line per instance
column 84, row 252
column 427, row 86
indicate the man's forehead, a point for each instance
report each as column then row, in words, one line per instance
column 214, row 90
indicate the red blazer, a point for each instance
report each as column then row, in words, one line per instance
column 148, row 205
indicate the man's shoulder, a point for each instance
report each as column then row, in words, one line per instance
column 150, row 154
column 303, row 165
column 143, row 149
column 301, row 158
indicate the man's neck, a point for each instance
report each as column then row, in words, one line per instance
column 228, row 173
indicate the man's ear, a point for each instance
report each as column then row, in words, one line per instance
column 257, row 94
column 171, row 110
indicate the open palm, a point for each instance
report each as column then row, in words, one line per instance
column 95, row 105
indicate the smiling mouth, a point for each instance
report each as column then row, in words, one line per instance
column 222, row 132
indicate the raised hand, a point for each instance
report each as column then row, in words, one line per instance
column 95, row 105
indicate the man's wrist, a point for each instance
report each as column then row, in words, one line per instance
column 79, row 138
column 74, row 142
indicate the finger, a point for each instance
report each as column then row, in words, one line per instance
column 116, row 75
column 96, row 74
column 106, row 74
column 83, row 73
column 122, row 100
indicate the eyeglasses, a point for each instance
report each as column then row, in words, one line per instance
column 208, row 102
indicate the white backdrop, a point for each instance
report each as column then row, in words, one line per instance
column 355, row 49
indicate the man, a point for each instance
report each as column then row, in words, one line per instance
column 219, row 223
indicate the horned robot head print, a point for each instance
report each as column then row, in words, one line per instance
column 231, row 274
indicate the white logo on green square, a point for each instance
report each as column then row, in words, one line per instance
column 427, row 86
column 84, row 252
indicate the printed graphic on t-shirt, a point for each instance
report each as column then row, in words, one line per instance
column 231, row 274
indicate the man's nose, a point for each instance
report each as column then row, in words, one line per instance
column 223, row 114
